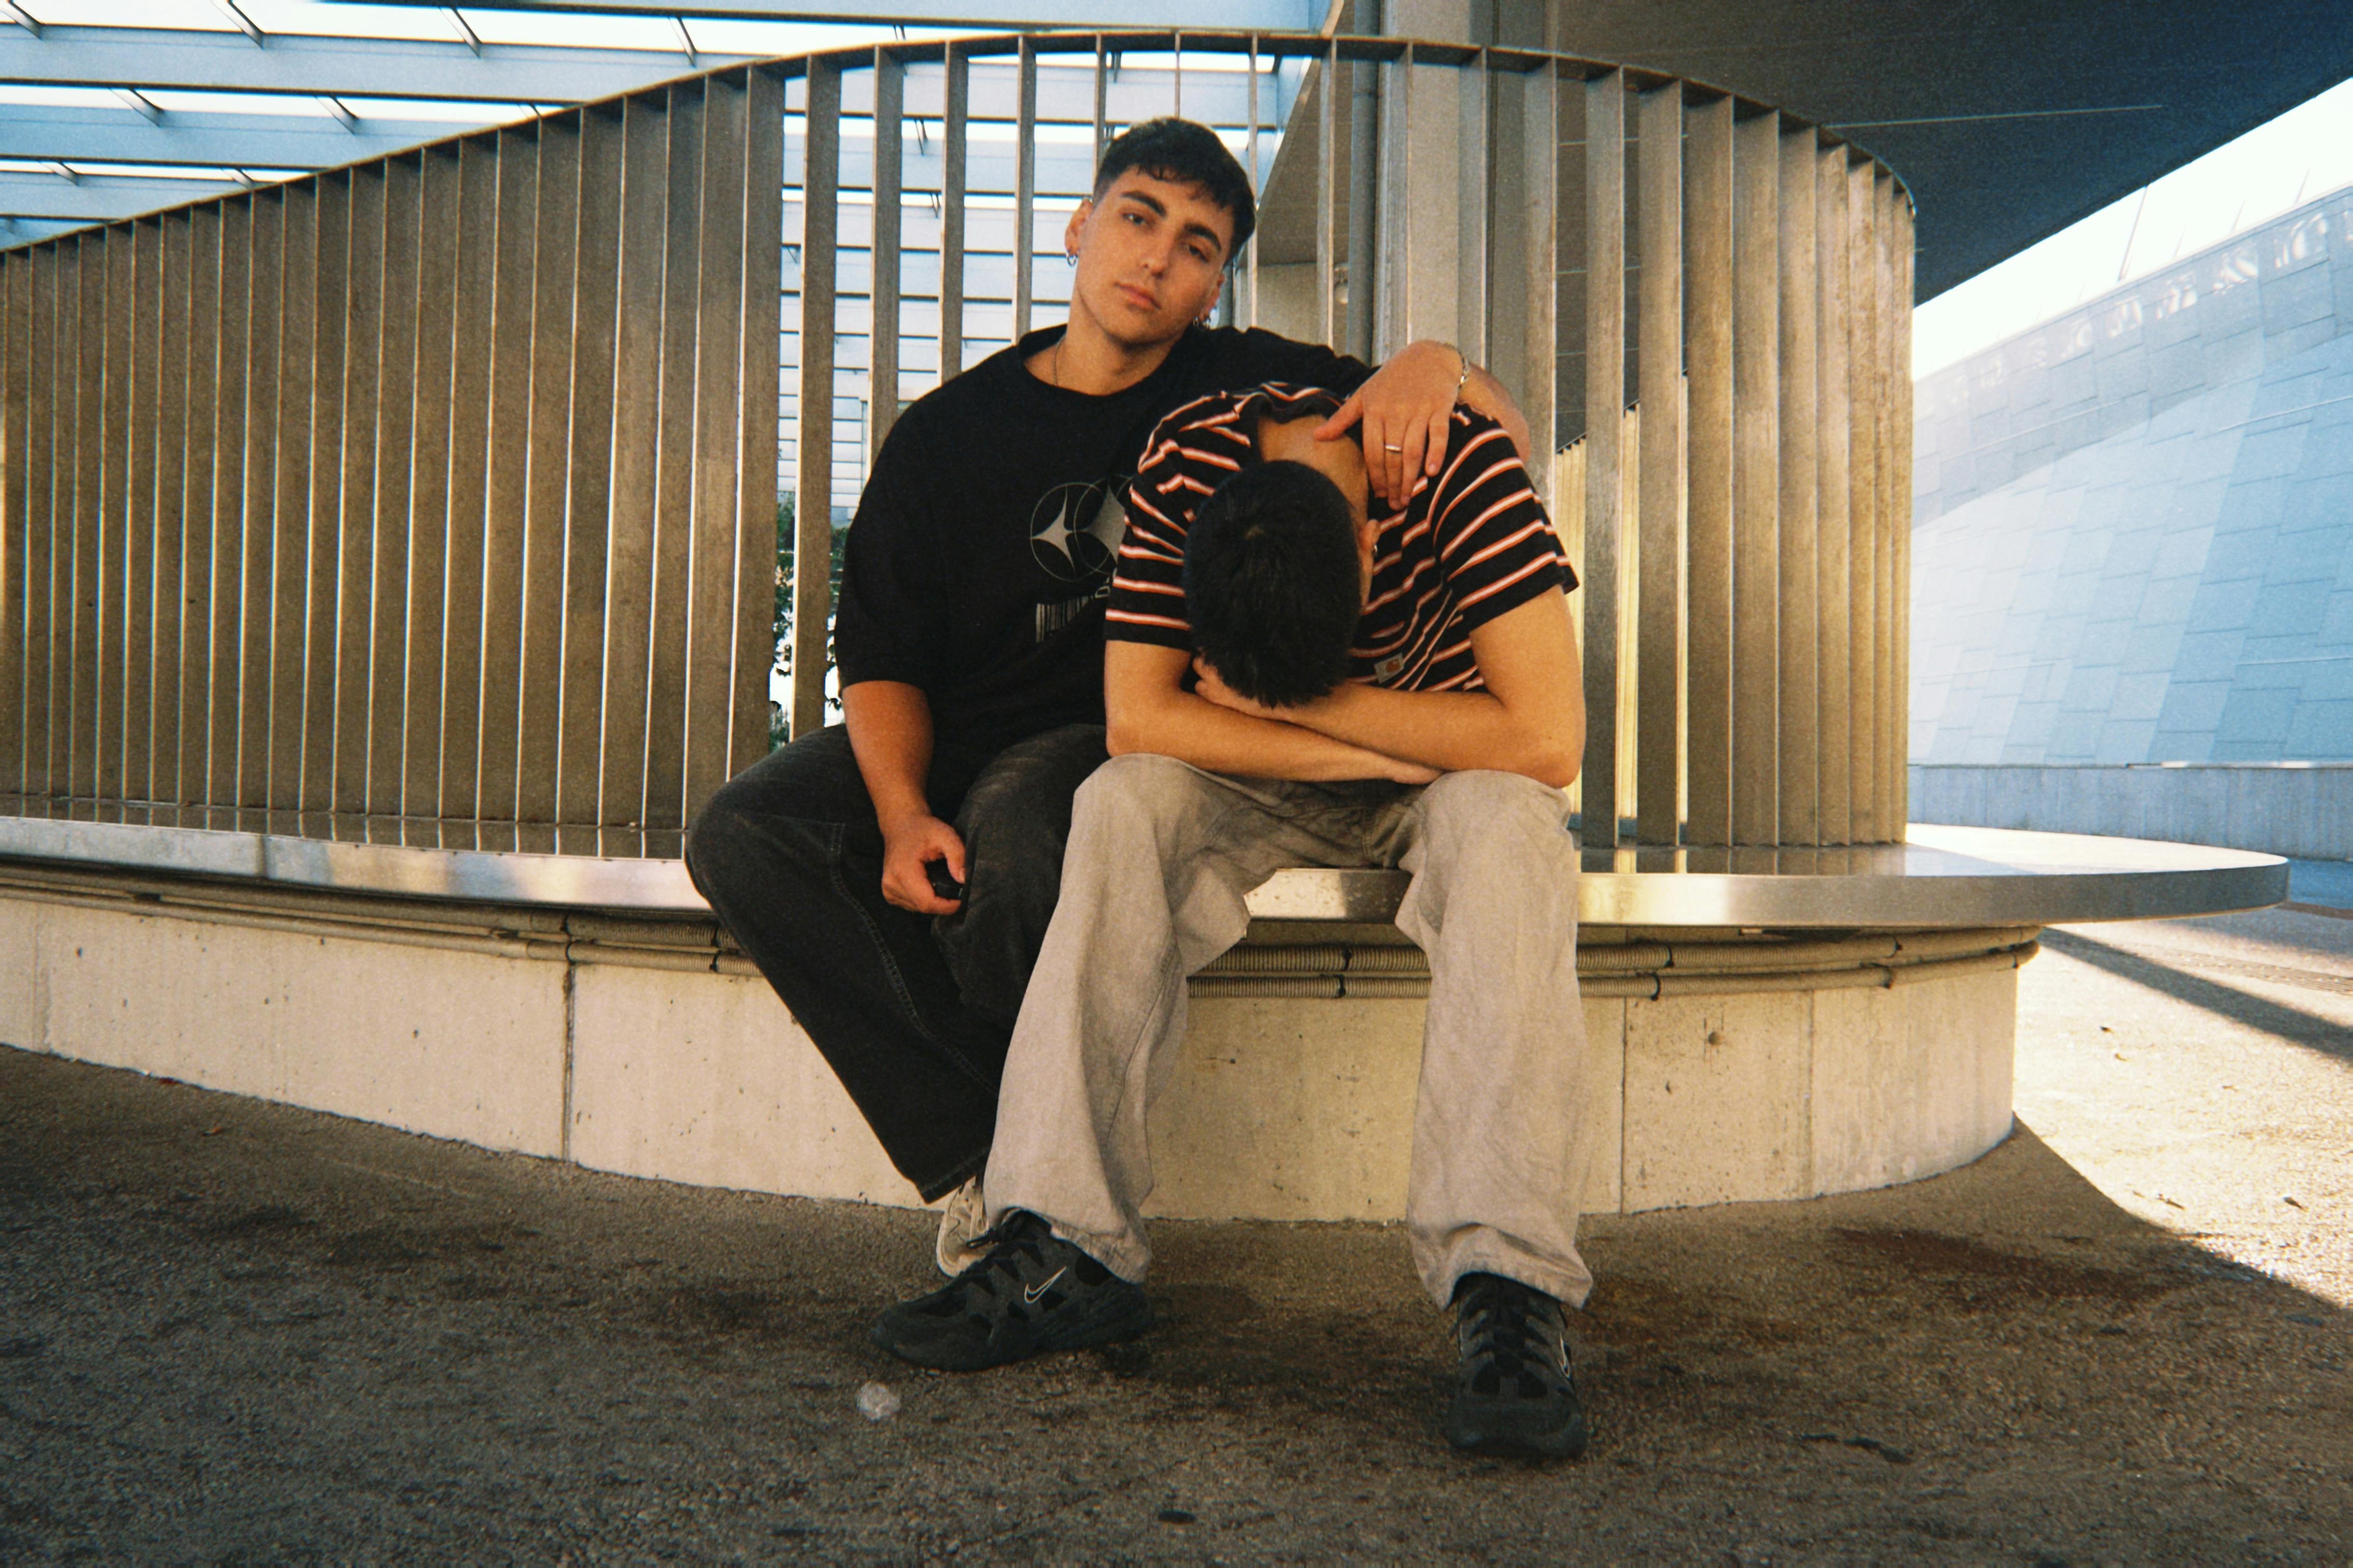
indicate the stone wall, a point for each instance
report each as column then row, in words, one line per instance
column 2302, row 812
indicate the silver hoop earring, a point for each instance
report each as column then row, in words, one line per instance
column 1072, row 258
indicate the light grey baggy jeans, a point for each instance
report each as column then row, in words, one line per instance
column 1161, row 856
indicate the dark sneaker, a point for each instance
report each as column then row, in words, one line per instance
column 1516, row 1396
column 1030, row 1292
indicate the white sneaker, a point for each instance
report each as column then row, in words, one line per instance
column 963, row 1217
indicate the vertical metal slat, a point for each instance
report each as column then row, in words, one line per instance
column 1540, row 263
column 473, row 329
column 673, row 543
column 197, row 489
column 1757, row 394
column 1891, row 617
column 882, row 356
column 1326, row 193
column 589, row 522
column 1708, row 527
column 173, row 259
column 1800, row 728
column 88, row 470
column 140, row 664
column 331, row 293
column 1250, row 166
column 637, row 466
column 1474, row 104
column 1659, row 664
column 16, row 375
column 290, row 564
column 224, row 684
column 354, row 618
column 755, row 506
column 1605, row 404
column 556, row 275
column 1899, row 489
column 1832, row 410
column 47, row 343
column 400, row 236
column 957, row 87
column 813, row 514
column 113, row 516
column 1024, row 176
column 259, row 531
column 428, row 612
column 718, row 316
column 1863, row 509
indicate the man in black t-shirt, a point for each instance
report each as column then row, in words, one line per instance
column 893, row 877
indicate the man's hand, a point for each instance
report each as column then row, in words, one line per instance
column 1405, row 408
column 909, row 845
column 1212, row 688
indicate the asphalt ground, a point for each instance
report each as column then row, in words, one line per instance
column 234, row 1333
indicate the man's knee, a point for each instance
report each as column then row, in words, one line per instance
column 1138, row 785
column 721, row 842
column 1498, row 809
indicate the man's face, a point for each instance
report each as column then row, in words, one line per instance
column 1152, row 255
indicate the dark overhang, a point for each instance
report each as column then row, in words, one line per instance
column 2008, row 118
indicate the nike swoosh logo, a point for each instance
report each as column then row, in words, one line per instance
column 1031, row 1294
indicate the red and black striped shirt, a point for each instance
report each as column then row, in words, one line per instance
column 1470, row 544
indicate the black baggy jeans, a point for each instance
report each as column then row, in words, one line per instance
column 913, row 1014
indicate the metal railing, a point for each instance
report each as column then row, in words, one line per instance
column 433, row 500
column 438, row 490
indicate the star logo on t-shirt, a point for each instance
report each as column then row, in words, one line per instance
column 1076, row 528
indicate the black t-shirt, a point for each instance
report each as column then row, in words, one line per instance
column 979, row 562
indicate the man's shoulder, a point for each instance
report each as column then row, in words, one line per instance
column 974, row 396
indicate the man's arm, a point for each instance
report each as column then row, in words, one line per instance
column 890, row 732
column 1530, row 719
column 1150, row 710
column 1407, row 409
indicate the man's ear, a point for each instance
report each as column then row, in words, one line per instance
column 1209, row 308
column 1368, row 534
column 1076, row 228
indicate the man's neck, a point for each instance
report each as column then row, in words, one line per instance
column 1087, row 359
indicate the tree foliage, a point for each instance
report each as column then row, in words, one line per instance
column 782, row 623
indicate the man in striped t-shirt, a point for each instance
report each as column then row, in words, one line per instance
column 1295, row 676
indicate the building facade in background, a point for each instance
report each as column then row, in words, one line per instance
column 2133, row 558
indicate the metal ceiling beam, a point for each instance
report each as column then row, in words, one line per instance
column 165, row 60
column 234, row 141
column 100, row 198
column 1200, row 16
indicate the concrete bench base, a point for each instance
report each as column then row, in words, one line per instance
column 631, row 1047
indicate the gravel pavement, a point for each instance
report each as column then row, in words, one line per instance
column 239, row 1333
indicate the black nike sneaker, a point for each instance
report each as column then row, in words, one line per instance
column 1517, row 1397
column 1030, row 1292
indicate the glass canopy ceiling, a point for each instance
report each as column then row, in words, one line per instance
column 112, row 108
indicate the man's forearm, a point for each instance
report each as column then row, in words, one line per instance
column 1450, row 731
column 891, row 734
column 1190, row 730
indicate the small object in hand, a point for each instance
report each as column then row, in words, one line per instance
column 943, row 884
column 877, row 1401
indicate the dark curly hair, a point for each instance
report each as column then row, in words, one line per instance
column 1272, row 583
column 1185, row 153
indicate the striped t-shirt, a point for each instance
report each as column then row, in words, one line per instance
column 1470, row 544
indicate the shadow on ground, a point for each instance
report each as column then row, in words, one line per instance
column 232, row 1332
